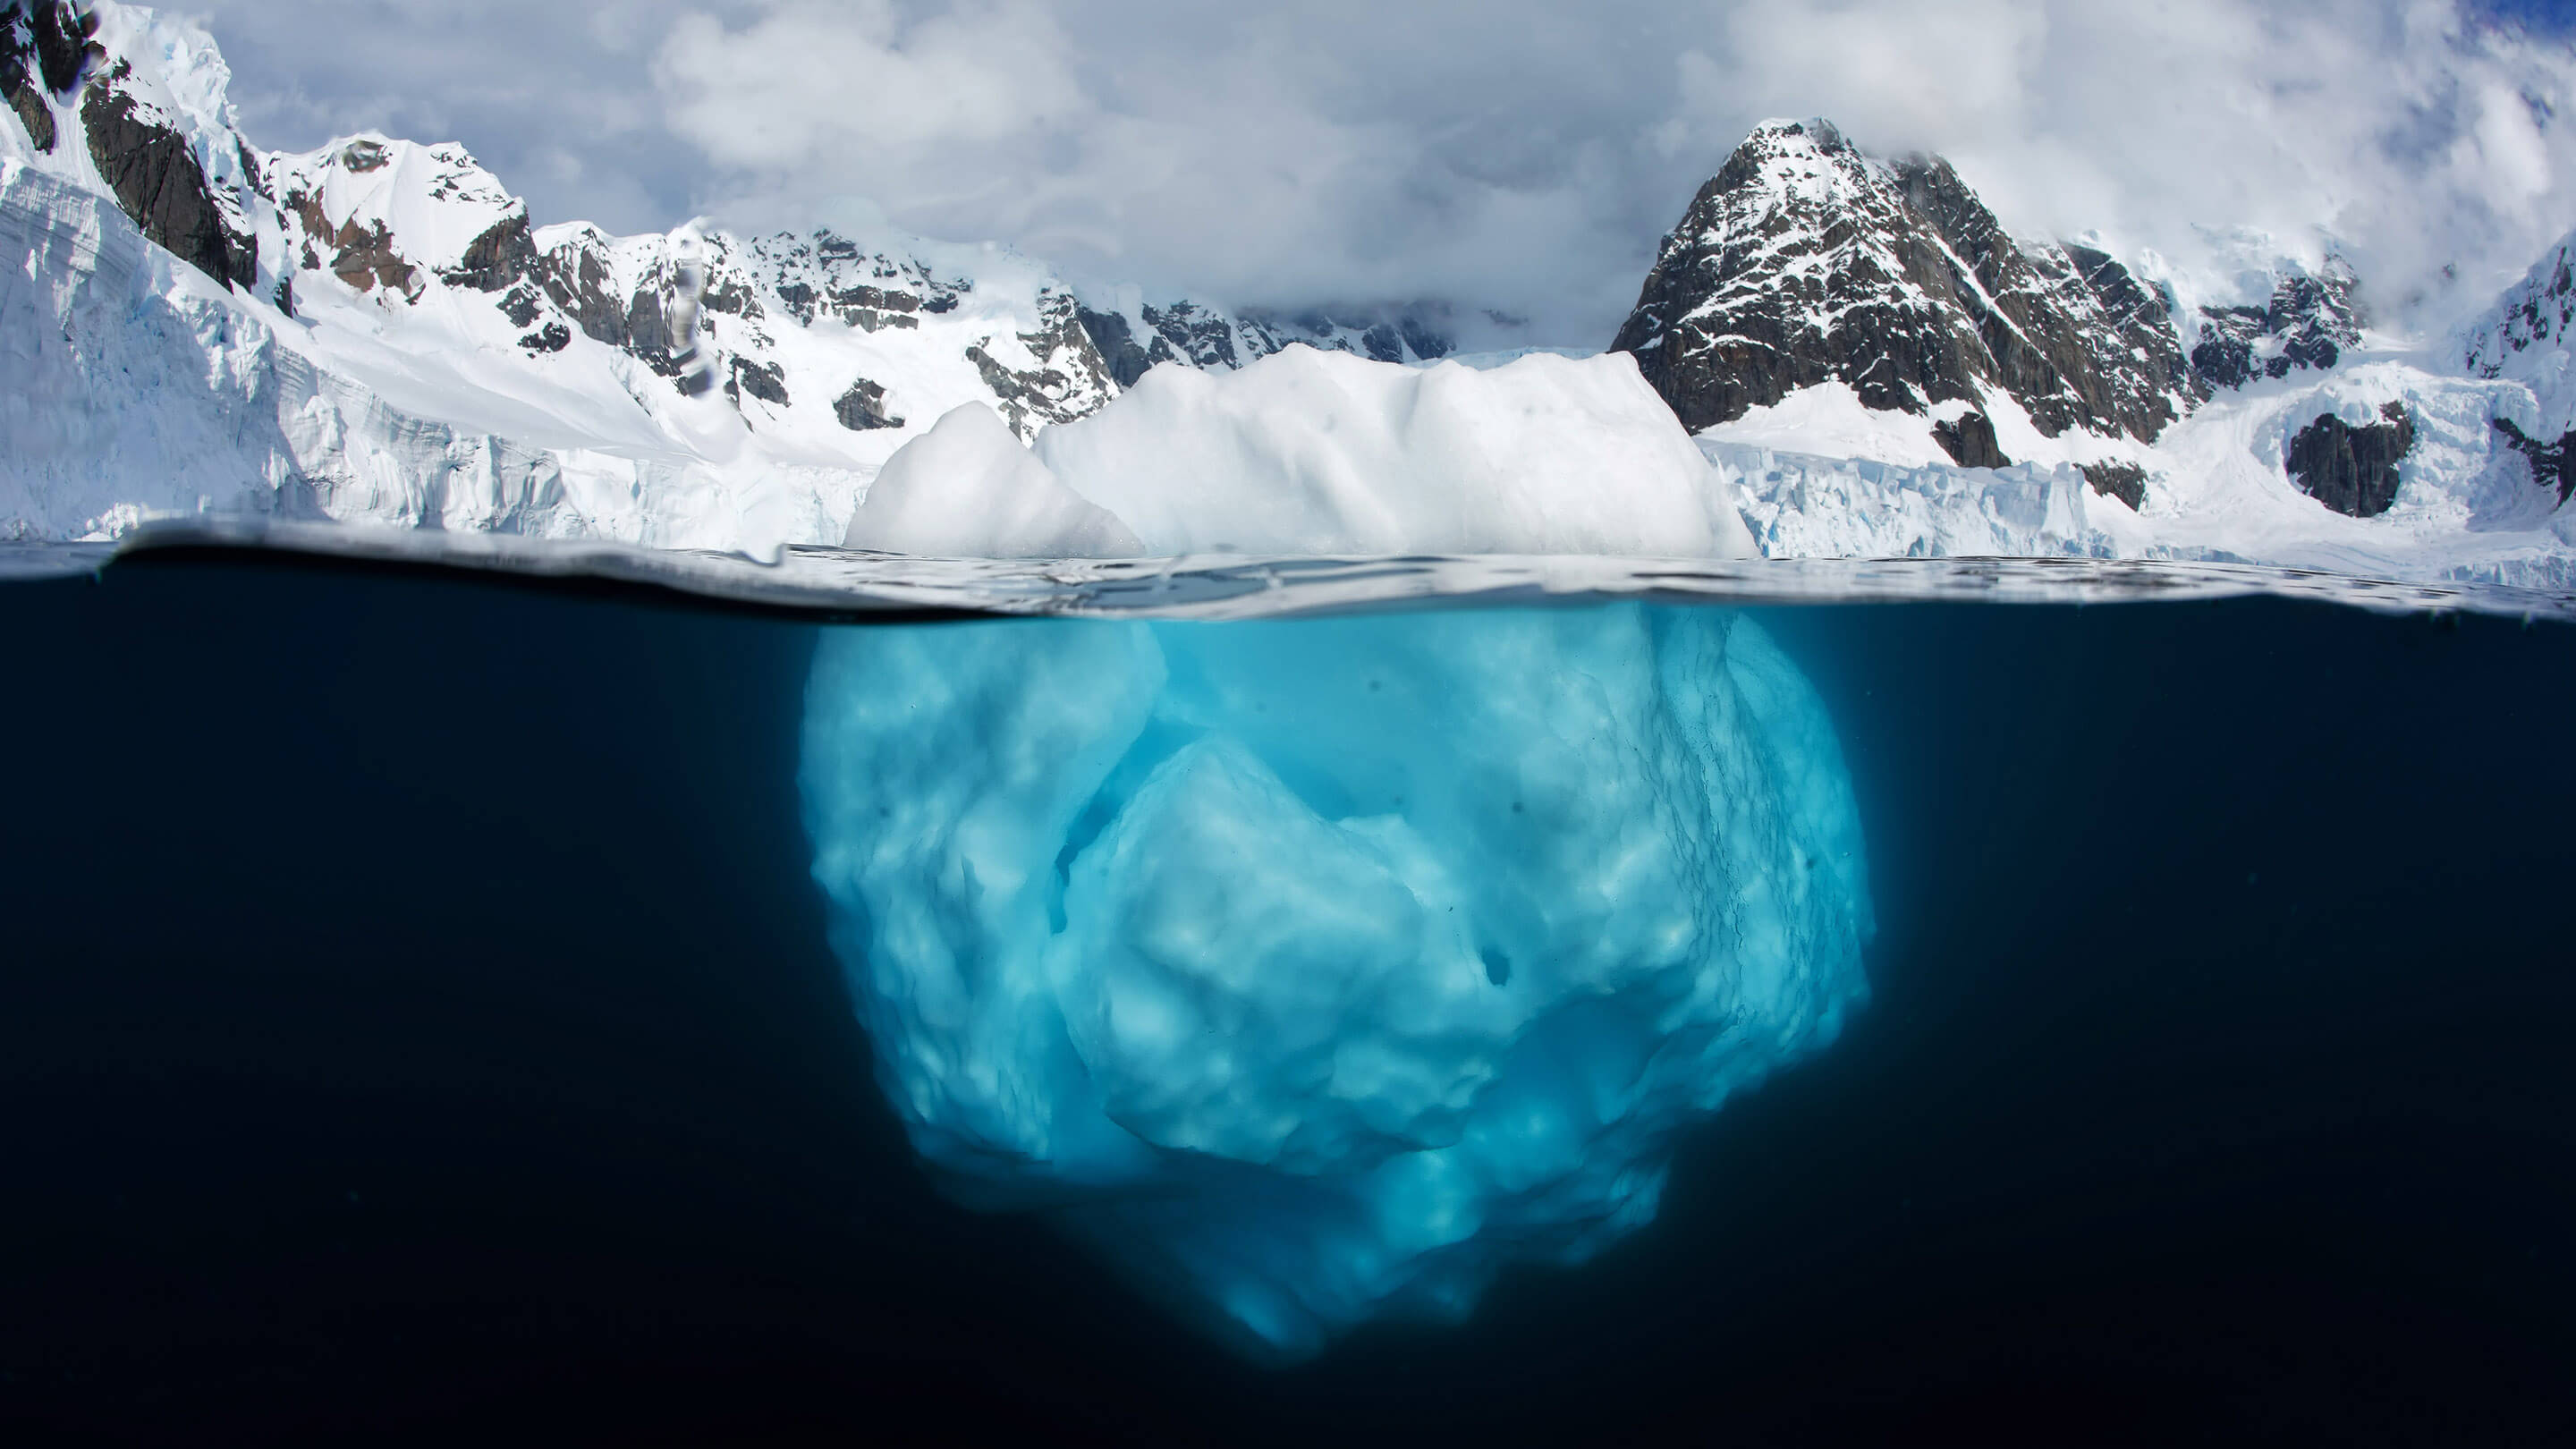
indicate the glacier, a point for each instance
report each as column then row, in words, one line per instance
column 1820, row 477
column 1313, row 971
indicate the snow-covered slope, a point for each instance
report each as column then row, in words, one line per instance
column 1881, row 371
column 374, row 331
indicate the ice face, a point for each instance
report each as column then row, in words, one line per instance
column 967, row 487
column 1314, row 452
column 1314, row 970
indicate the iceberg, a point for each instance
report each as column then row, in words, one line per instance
column 1314, row 452
column 1313, row 971
column 967, row 487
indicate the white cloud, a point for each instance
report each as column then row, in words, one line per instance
column 1935, row 72
column 1516, row 154
column 812, row 82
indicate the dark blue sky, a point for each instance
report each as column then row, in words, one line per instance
column 2557, row 16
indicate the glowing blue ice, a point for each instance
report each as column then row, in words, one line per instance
column 1314, row 970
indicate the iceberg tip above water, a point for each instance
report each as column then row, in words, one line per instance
column 966, row 488
column 1315, row 971
column 1314, row 452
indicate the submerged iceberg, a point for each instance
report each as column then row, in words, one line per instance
column 1314, row 970
column 1312, row 452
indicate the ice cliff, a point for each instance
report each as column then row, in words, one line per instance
column 1317, row 971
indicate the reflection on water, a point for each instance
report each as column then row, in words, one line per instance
column 1315, row 970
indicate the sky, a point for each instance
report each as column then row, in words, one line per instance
column 1520, row 157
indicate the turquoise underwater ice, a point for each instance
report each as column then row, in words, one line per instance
column 1312, row 971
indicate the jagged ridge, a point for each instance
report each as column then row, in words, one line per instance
column 747, row 368
column 1804, row 261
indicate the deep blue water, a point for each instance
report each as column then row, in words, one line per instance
column 416, row 1019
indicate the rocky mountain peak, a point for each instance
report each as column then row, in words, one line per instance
column 2309, row 321
column 1807, row 162
column 2530, row 322
column 1804, row 261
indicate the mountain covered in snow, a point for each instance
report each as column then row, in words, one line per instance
column 1880, row 368
column 377, row 331
column 1804, row 262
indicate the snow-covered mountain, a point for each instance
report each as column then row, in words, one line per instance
column 375, row 331
column 1882, row 369
column 1135, row 335
column 1804, row 262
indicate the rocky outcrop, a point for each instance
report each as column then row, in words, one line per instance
column 862, row 409
column 2309, row 323
column 1970, row 441
column 652, row 317
column 38, row 44
column 29, row 105
column 63, row 36
column 831, row 276
column 341, row 208
column 2352, row 470
column 1132, row 343
column 1418, row 332
column 1067, row 381
column 704, row 308
column 2140, row 316
column 2075, row 339
column 1114, row 338
column 766, row 381
column 1183, row 332
column 1803, row 261
column 45, row 50
column 159, row 183
column 576, row 276
column 496, row 260
column 2124, row 481
column 2553, row 465
column 361, row 254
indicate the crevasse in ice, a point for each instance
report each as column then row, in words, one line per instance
column 1314, row 970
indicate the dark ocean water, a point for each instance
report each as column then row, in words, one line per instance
column 416, row 1023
